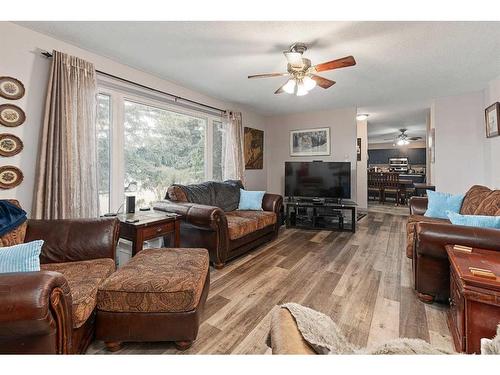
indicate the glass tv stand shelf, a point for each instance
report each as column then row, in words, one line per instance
column 321, row 215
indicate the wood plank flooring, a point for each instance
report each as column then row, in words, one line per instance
column 362, row 280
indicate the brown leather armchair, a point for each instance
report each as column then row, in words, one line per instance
column 53, row 310
column 218, row 231
column 430, row 262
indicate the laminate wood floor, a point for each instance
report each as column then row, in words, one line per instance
column 362, row 280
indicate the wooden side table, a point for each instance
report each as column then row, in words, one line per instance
column 152, row 224
column 474, row 300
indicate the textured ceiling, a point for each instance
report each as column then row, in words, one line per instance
column 398, row 62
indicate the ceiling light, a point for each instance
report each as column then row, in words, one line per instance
column 301, row 89
column 362, row 117
column 309, row 83
column 289, row 87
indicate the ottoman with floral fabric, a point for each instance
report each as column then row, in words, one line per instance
column 158, row 295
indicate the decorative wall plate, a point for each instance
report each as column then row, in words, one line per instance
column 10, row 177
column 11, row 115
column 11, row 88
column 10, row 145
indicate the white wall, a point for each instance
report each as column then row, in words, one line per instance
column 342, row 124
column 460, row 142
column 23, row 61
column 362, row 166
column 492, row 145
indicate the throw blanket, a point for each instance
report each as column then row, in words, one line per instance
column 11, row 216
column 325, row 337
column 225, row 195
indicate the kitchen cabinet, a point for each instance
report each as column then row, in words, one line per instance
column 381, row 156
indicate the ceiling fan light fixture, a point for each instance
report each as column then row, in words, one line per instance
column 361, row 117
column 309, row 83
column 301, row 89
column 289, row 87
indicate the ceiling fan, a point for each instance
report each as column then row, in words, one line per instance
column 403, row 138
column 302, row 75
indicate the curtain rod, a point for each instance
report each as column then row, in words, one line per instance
column 176, row 97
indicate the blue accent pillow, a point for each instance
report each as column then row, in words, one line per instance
column 479, row 221
column 24, row 257
column 251, row 200
column 440, row 203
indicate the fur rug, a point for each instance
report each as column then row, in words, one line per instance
column 325, row 337
column 491, row 346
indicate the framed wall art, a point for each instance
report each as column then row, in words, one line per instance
column 254, row 148
column 11, row 88
column 10, row 145
column 492, row 119
column 11, row 115
column 310, row 142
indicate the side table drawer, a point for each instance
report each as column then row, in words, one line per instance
column 158, row 230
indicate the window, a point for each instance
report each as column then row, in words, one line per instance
column 161, row 148
column 145, row 144
column 103, row 150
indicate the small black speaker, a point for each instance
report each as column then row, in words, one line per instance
column 131, row 204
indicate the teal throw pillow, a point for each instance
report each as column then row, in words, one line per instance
column 440, row 203
column 479, row 221
column 251, row 200
column 24, row 257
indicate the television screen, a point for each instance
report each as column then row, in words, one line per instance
column 318, row 179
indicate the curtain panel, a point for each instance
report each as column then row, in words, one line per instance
column 233, row 165
column 66, row 183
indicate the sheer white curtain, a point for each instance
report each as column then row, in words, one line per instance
column 66, row 184
column 233, row 165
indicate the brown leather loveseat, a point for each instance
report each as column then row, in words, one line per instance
column 427, row 238
column 53, row 310
column 216, row 224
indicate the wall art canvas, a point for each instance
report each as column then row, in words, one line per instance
column 310, row 142
column 254, row 148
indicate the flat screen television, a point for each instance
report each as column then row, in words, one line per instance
column 318, row 179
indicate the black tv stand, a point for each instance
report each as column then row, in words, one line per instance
column 320, row 214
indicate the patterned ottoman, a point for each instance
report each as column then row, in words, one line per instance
column 158, row 295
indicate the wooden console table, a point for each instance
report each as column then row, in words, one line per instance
column 151, row 224
column 474, row 300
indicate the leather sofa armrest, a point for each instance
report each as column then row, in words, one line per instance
column 431, row 238
column 418, row 205
column 199, row 215
column 71, row 240
column 35, row 304
column 272, row 202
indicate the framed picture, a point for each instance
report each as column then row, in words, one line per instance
column 432, row 143
column 310, row 142
column 492, row 118
column 254, row 148
column 358, row 149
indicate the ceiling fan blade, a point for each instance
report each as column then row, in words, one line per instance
column 268, row 75
column 336, row 64
column 322, row 82
column 280, row 90
column 414, row 138
column 294, row 58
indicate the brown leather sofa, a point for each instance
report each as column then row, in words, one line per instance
column 53, row 310
column 427, row 238
column 226, row 234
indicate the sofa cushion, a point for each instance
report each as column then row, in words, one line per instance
column 490, row 206
column 84, row 278
column 156, row 280
column 410, row 230
column 473, row 199
column 241, row 223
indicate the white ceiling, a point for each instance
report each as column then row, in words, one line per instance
column 399, row 64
